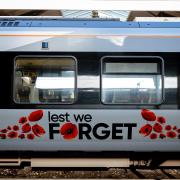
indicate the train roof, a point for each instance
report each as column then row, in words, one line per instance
column 80, row 23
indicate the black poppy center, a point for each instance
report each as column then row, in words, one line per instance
column 12, row 134
column 37, row 130
column 30, row 136
column 171, row 134
column 69, row 131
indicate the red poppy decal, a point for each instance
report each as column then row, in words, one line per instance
column 162, row 136
column 12, row 134
column 15, row 128
column 157, row 125
column 9, row 127
column 21, row 136
column 4, row 130
column 161, row 119
column 157, row 128
column 30, row 136
column 2, row 136
column 148, row 115
column 35, row 115
column 24, row 126
column 145, row 130
column 153, row 136
column 22, row 120
column 171, row 134
column 69, row 131
column 168, row 127
column 38, row 130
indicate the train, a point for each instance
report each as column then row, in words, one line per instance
column 89, row 89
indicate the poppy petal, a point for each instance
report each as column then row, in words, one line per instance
column 35, row 115
column 30, row 136
column 168, row 127
column 153, row 136
column 162, row 136
column 69, row 131
column 148, row 115
column 26, row 128
column 38, row 130
column 145, row 130
column 21, row 136
column 65, row 127
column 157, row 128
column 171, row 134
column 15, row 128
column 161, row 119
column 4, row 130
column 22, row 120
column 9, row 127
column 12, row 134
column 2, row 136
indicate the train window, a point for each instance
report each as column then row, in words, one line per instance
column 132, row 80
column 45, row 80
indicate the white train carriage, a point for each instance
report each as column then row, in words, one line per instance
column 89, row 86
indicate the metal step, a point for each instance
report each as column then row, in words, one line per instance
column 80, row 162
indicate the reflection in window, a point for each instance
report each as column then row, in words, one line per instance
column 126, row 85
column 44, row 80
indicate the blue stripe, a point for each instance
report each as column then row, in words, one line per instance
column 97, row 23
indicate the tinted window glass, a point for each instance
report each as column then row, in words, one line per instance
column 132, row 80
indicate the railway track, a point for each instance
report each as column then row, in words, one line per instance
column 60, row 173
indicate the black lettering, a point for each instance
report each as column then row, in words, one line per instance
column 67, row 117
column 61, row 118
column 54, row 118
column 78, row 117
column 130, row 126
column 52, row 131
column 49, row 116
column 105, row 132
column 87, row 117
column 115, row 130
column 84, row 129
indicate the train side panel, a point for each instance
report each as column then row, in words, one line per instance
column 139, row 111
column 90, row 130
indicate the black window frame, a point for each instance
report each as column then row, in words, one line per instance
column 47, row 56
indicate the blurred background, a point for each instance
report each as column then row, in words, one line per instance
column 115, row 14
